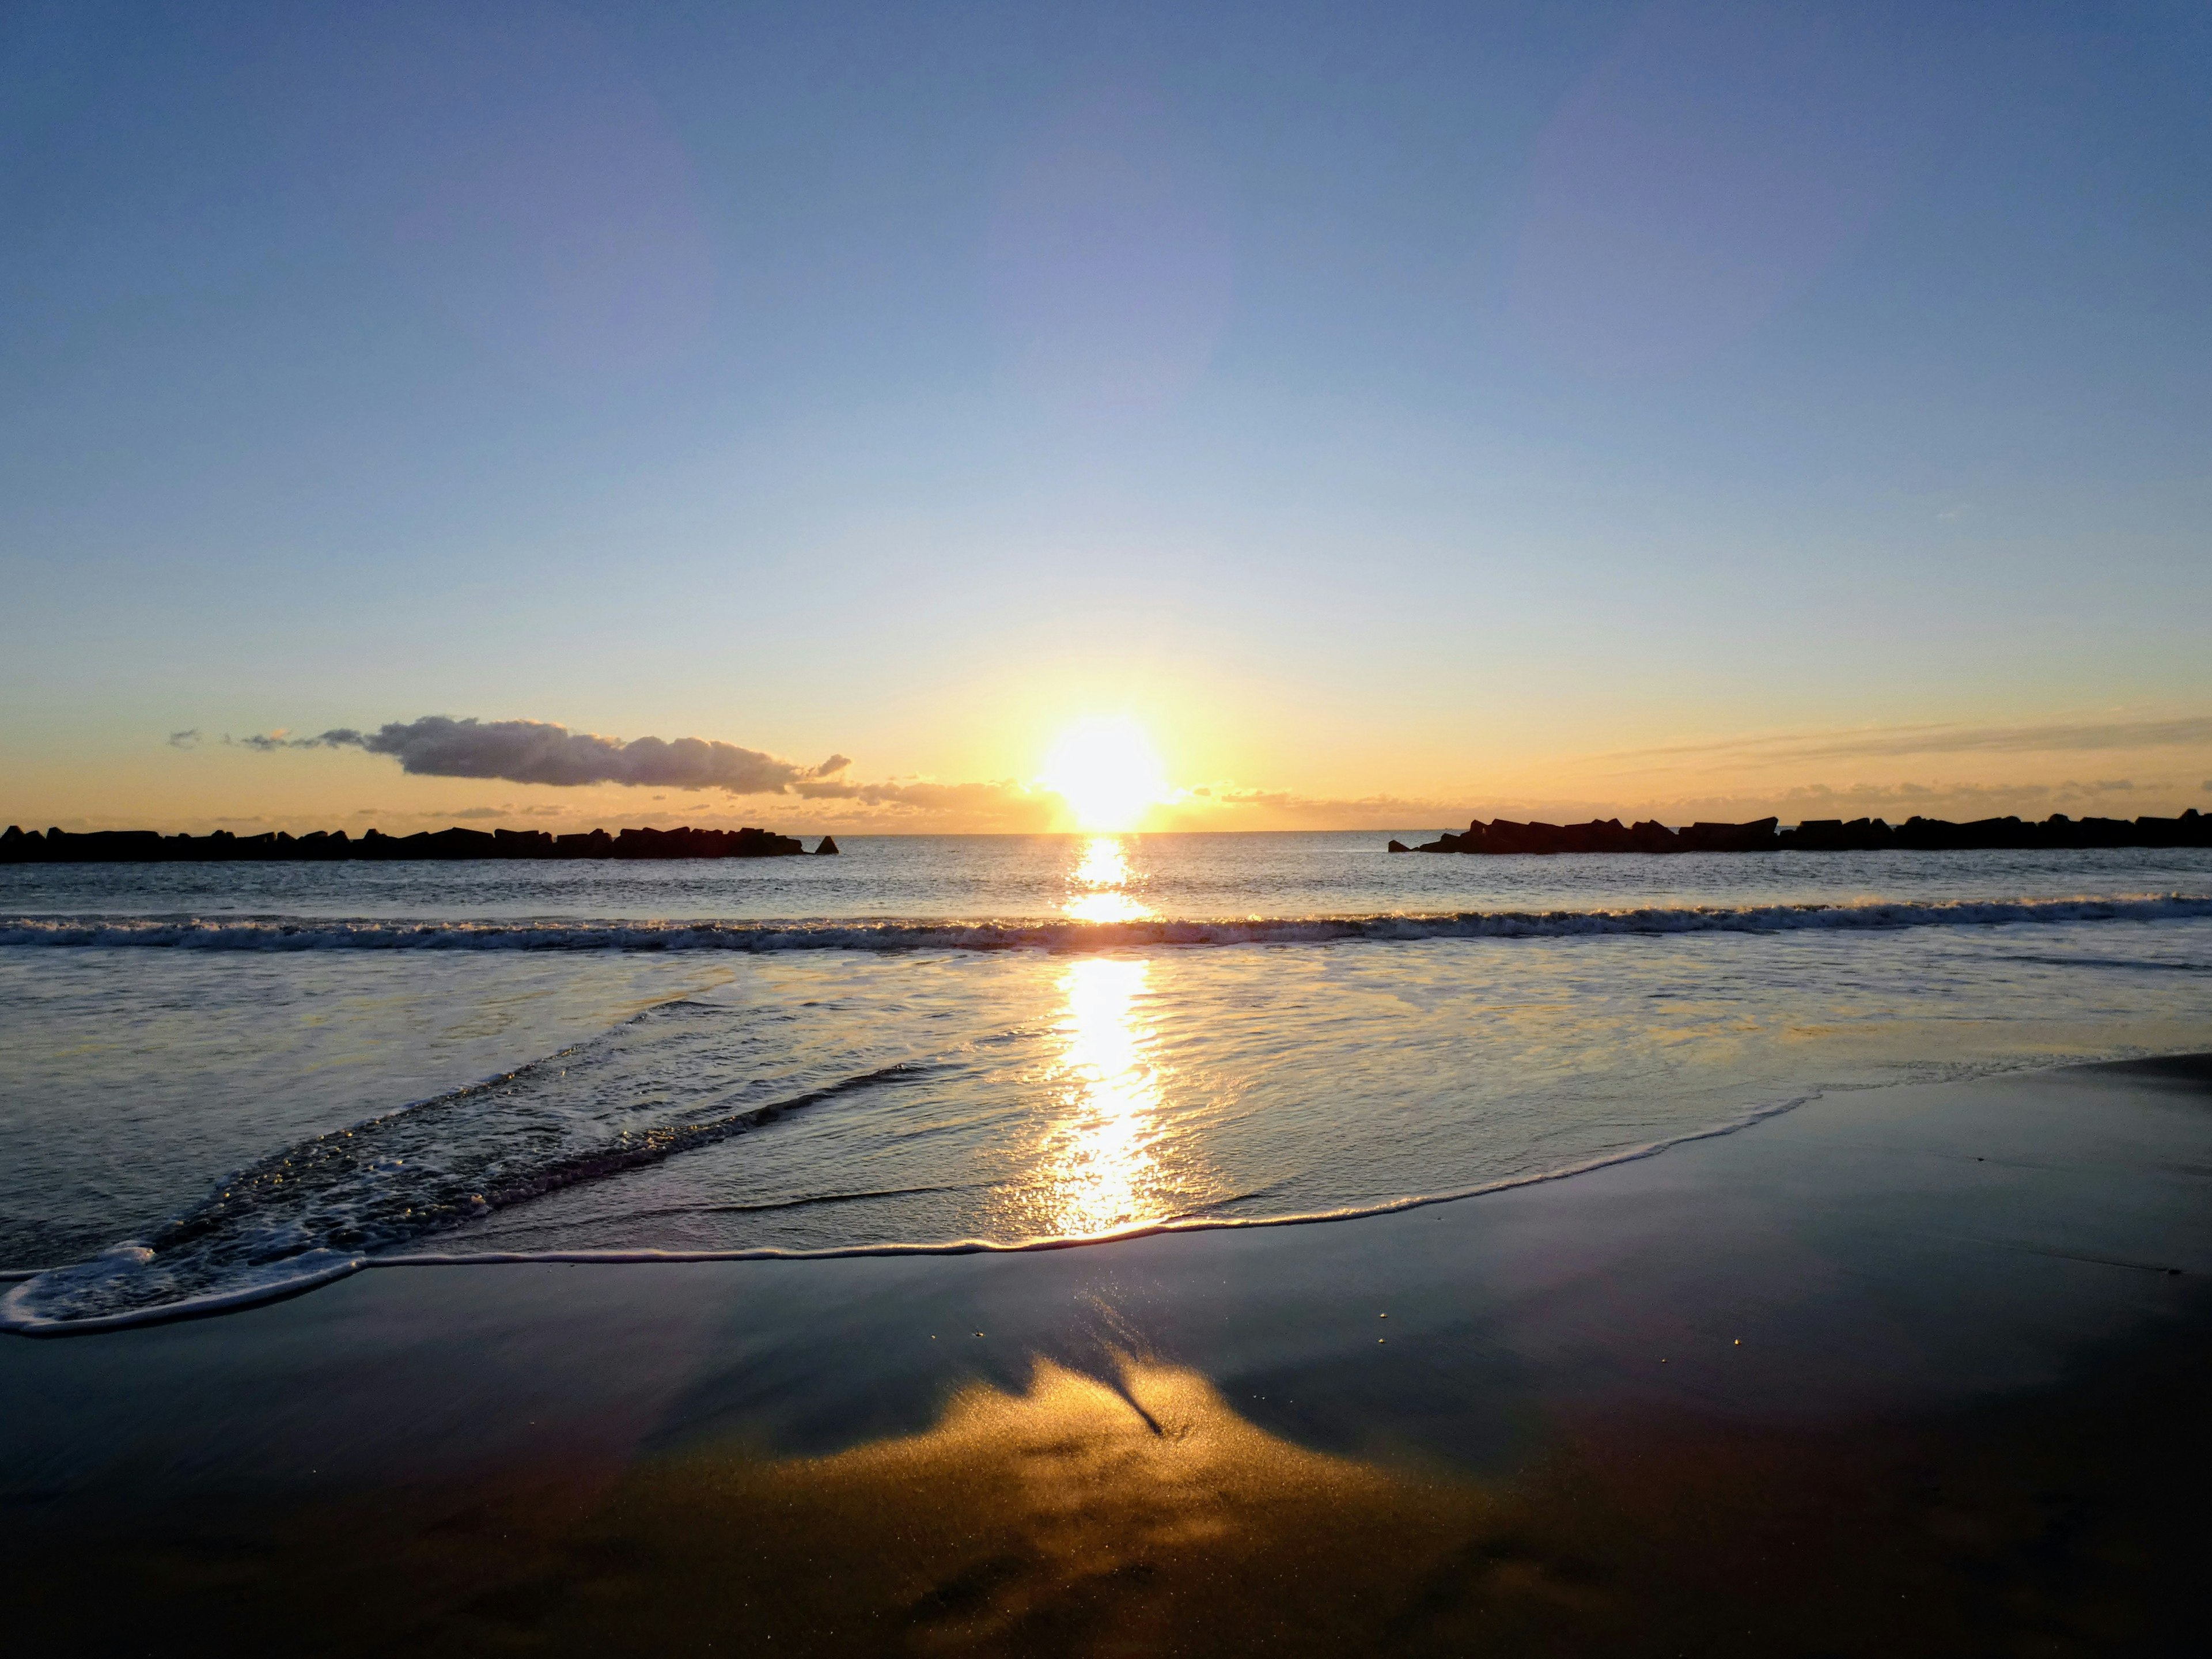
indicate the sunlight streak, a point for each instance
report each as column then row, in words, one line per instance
column 1102, row 1169
column 1102, row 884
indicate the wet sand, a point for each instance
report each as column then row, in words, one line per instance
column 1915, row 1370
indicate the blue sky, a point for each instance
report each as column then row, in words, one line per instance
column 1400, row 405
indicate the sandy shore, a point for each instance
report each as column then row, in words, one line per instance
column 1911, row 1369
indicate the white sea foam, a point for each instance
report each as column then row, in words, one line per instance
column 91, row 1296
column 197, row 934
column 43, row 1304
column 670, row 1080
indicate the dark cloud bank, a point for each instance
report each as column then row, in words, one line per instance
column 539, row 752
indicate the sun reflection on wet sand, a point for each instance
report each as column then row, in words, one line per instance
column 1132, row 1509
column 1100, row 1165
column 1091, row 1483
column 1133, row 1513
column 1101, row 882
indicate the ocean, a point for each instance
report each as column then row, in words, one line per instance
column 221, row 1083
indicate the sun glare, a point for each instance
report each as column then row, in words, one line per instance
column 1106, row 772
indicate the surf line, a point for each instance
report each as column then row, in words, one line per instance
column 16, row 1320
column 1064, row 935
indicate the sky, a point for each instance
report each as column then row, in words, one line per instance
column 1398, row 413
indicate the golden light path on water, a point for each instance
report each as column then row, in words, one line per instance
column 1101, row 1168
column 1102, row 880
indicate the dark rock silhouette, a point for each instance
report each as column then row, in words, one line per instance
column 827, row 844
column 1756, row 837
column 1502, row 836
column 150, row 847
column 1397, row 846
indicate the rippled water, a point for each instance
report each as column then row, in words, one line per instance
column 244, row 1116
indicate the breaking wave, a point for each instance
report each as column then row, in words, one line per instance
column 195, row 933
column 677, row 1077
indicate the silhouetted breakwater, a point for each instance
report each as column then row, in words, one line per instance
column 2056, row 832
column 327, row 846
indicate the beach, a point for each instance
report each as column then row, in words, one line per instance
column 1105, row 832
column 1912, row 1368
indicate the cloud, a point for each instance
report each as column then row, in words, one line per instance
column 2053, row 738
column 539, row 752
column 923, row 794
column 1220, row 805
column 1224, row 794
column 188, row 739
column 268, row 743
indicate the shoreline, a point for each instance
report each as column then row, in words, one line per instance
column 322, row 1268
column 328, row 1272
column 1848, row 1291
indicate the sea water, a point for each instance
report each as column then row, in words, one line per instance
column 221, row 1081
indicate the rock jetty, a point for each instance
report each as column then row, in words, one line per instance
column 332, row 846
column 1502, row 836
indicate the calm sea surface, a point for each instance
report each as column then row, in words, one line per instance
column 219, row 1080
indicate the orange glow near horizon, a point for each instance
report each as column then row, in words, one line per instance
column 1106, row 772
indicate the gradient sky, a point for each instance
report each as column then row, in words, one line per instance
column 1402, row 411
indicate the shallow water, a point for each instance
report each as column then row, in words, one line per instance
column 250, row 1073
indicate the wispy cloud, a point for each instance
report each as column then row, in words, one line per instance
column 1230, row 807
column 188, row 739
column 2063, row 737
column 922, row 793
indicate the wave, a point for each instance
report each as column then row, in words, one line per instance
column 56, row 1302
column 195, row 933
column 676, row 1077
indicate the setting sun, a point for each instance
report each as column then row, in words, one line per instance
column 1106, row 772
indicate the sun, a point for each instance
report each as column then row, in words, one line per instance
column 1106, row 772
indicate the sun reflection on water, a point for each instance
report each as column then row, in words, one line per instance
column 1102, row 884
column 1102, row 1170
